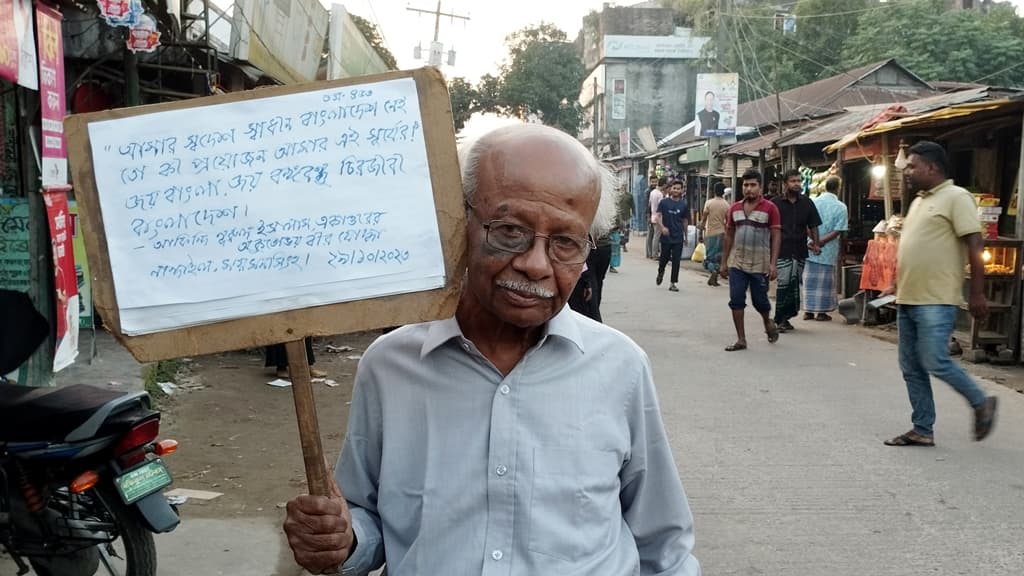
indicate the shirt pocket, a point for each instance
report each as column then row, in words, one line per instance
column 574, row 505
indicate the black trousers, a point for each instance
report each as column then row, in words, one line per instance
column 277, row 357
column 674, row 252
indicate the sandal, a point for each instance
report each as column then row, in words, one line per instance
column 911, row 439
column 735, row 347
column 773, row 333
column 823, row 318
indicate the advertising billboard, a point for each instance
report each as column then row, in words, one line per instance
column 716, row 100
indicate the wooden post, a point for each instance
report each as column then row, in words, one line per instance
column 305, row 413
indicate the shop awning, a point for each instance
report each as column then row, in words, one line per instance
column 948, row 113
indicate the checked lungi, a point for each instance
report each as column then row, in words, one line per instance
column 787, row 295
column 820, row 288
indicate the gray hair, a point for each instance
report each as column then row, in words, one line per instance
column 473, row 149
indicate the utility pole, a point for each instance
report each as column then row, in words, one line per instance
column 715, row 141
column 436, row 47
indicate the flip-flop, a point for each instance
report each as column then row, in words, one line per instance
column 773, row 333
column 823, row 318
column 735, row 347
column 911, row 439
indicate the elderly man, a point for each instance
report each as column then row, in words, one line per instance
column 518, row 437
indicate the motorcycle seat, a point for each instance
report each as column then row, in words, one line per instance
column 69, row 414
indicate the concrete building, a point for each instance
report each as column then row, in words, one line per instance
column 641, row 75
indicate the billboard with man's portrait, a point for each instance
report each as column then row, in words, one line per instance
column 716, row 103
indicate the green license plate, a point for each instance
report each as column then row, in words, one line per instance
column 142, row 481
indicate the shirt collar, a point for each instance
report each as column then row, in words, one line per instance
column 564, row 325
column 945, row 183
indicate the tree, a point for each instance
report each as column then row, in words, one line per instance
column 464, row 101
column 372, row 34
column 975, row 46
column 541, row 78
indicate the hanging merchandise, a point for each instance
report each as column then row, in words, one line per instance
column 120, row 12
column 143, row 36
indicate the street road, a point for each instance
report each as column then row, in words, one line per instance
column 779, row 448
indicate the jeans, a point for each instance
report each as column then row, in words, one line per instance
column 739, row 281
column 924, row 349
column 670, row 251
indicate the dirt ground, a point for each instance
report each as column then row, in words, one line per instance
column 238, row 436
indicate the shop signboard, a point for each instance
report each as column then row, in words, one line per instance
column 284, row 38
column 51, row 94
column 82, row 278
column 677, row 47
column 64, row 283
column 15, row 263
column 8, row 43
column 348, row 52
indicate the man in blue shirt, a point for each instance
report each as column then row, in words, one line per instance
column 672, row 219
column 517, row 437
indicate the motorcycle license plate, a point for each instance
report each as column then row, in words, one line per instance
column 142, row 481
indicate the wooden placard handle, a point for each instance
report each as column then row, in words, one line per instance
column 305, row 413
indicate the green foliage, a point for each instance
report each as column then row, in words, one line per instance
column 544, row 79
column 833, row 36
column 372, row 34
column 960, row 45
column 463, row 97
column 541, row 77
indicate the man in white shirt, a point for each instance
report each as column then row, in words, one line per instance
column 654, row 229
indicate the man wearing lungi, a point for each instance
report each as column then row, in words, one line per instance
column 799, row 220
column 820, row 272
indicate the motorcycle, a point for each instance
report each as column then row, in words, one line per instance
column 81, row 469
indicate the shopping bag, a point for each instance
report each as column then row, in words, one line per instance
column 698, row 253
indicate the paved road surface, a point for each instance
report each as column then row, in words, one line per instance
column 780, row 450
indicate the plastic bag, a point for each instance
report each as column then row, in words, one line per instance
column 698, row 253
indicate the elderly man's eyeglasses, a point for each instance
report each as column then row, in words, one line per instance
column 516, row 239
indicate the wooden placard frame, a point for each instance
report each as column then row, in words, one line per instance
column 288, row 326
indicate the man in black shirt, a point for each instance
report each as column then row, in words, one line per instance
column 800, row 220
column 708, row 117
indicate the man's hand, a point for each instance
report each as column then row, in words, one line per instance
column 588, row 293
column 773, row 273
column 319, row 531
column 890, row 291
column 664, row 231
column 815, row 249
column 979, row 306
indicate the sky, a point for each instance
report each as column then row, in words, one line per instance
column 478, row 43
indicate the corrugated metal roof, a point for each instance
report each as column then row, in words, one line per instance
column 828, row 96
column 945, row 113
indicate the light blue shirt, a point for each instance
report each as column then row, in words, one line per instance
column 834, row 216
column 561, row 467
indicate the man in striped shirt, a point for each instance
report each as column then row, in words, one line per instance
column 753, row 236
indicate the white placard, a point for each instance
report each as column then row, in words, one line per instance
column 265, row 205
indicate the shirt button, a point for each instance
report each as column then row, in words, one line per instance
column 505, row 389
column 501, row 470
column 497, row 555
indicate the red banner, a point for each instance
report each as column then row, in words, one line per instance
column 64, row 281
column 9, row 53
column 51, row 92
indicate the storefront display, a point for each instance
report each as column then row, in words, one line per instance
column 994, row 338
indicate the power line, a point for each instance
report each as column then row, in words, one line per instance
column 831, row 14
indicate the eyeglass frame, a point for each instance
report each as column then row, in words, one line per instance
column 587, row 243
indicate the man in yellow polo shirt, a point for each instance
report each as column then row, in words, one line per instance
column 940, row 230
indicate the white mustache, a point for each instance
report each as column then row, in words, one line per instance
column 526, row 288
